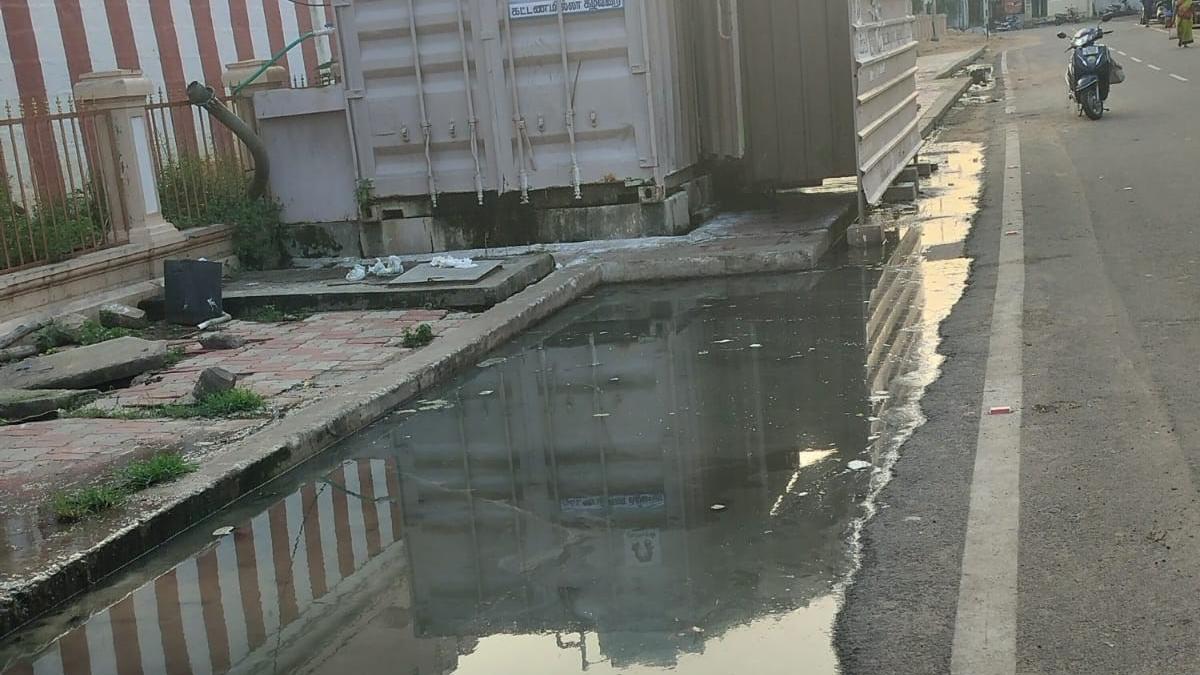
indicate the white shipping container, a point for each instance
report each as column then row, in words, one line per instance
column 476, row 96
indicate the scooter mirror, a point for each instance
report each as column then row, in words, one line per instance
column 1062, row 35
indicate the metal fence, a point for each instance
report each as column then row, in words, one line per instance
column 52, row 201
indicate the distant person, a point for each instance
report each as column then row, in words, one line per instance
column 1183, row 21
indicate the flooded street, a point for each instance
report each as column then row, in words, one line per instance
column 662, row 477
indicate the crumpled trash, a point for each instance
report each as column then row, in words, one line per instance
column 222, row 531
column 452, row 262
column 390, row 267
column 356, row 273
column 858, row 465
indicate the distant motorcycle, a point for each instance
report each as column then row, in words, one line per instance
column 1072, row 15
column 1090, row 70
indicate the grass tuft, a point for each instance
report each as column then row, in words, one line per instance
column 412, row 339
column 164, row 467
column 79, row 504
column 161, row 468
column 232, row 403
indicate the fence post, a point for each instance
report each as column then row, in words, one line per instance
column 117, row 100
column 274, row 77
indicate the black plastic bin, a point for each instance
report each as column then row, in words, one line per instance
column 193, row 291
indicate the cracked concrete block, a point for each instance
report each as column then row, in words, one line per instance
column 122, row 316
column 20, row 404
column 86, row 367
column 213, row 381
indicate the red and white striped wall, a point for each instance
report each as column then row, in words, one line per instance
column 223, row 608
column 45, row 45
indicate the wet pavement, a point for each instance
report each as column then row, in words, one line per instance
column 661, row 477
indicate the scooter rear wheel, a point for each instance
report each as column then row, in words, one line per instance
column 1093, row 107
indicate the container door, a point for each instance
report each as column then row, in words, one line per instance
column 887, row 117
column 420, row 92
column 718, row 38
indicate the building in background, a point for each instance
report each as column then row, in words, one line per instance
column 46, row 45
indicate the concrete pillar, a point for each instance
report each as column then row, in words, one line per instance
column 275, row 77
column 117, row 99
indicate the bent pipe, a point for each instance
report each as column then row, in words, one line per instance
column 202, row 96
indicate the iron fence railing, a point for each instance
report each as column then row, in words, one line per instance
column 52, row 200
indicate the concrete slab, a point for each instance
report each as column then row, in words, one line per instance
column 327, row 290
column 86, row 367
column 23, row 404
column 426, row 273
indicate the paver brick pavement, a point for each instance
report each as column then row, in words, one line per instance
column 290, row 364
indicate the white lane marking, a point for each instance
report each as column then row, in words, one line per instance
column 985, row 629
column 1010, row 98
column 1122, row 53
column 1151, row 66
column 1179, row 77
column 1135, row 59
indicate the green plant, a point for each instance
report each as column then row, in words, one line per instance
column 93, row 333
column 175, row 355
column 233, row 403
column 197, row 191
column 420, row 337
column 161, row 468
column 52, row 337
column 364, row 194
column 51, row 229
column 78, row 504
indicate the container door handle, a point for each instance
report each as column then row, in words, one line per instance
column 722, row 29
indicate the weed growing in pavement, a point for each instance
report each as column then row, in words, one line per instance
column 175, row 355
column 161, row 468
column 78, row 504
column 232, row 403
column 272, row 314
column 412, row 339
column 91, row 332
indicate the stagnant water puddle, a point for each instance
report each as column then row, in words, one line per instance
column 660, row 477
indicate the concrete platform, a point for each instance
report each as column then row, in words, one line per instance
column 326, row 290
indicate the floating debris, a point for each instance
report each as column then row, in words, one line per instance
column 755, row 346
column 492, row 362
column 1000, row 410
column 717, row 507
column 602, row 415
column 858, row 465
column 222, row 531
column 486, row 392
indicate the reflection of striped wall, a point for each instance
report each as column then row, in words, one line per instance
column 226, row 604
column 45, row 45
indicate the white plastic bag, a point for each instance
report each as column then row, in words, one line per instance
column 357, row 273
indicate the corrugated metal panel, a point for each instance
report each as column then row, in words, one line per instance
column 796, row 75
column 885, row 79
column 719, row 78
column 595, row 93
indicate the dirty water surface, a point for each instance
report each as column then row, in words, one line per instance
column 662, row 478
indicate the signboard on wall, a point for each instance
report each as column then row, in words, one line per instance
column 524, row 9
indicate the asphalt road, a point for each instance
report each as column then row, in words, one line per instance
column 1109, row 440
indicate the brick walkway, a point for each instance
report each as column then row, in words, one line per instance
column 288, row 363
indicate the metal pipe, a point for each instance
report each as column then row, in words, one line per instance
column 471, row 119
column 426, row 127
column 279, row 55
column 569, row 103
column 203, row 96
column 518, row 118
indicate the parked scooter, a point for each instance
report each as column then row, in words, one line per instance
column 1072, row 15
column 1090, row 70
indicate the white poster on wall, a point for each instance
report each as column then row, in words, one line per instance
column 523, row 9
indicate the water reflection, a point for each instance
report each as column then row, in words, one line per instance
column 656, row 479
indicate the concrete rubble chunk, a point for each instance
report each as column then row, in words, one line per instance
column 71, row 323
column 17, row 353
column 122, row 316
column 213, row 381
column 21, row 404
column 86, row 367
column 221, row 341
